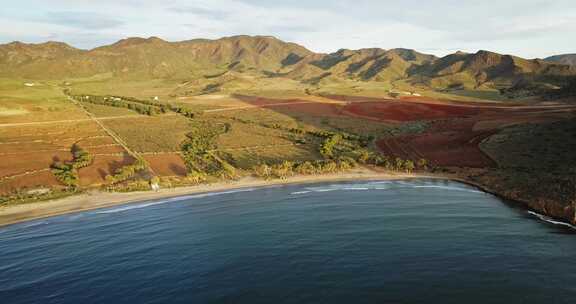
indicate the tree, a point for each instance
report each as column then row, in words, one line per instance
column 283, row 170
column 327, row 148
column 306, row 168
column 262, row 170
column 364, row 157
column 423, row 164
column 398, row 164
column 330, row 167
column 409, row 166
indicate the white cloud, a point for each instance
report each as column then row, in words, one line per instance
column 527, row 28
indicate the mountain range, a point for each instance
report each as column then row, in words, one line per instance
column 564, row 59
column 265, row 56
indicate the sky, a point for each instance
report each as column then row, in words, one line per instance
column 531, row 29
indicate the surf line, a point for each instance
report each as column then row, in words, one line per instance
column 550, row 220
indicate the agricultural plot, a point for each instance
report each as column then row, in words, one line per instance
column 103, row 165
column 166, row 164
column 40, row 102
column 35, row 147
column 142, row 89
column 38, row 180
column 251, row 127
column 100, row 111
column 250, row 157
column 162, row 133
column 43, row 134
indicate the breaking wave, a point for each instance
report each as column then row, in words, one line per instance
column 381, row 185
column 551, row 220
column 174, row 199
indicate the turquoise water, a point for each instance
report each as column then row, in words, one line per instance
column 418, row 241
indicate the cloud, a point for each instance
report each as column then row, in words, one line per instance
column 200, row 11
column 523, row 27
column 293, row 29
column 82, row 20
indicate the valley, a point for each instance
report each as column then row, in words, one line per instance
column 152, row 113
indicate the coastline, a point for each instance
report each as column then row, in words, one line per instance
column 97, row 199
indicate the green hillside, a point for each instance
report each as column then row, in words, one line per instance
column 203, row 66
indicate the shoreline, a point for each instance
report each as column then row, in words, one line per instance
column 10, row 215
column 15, row 214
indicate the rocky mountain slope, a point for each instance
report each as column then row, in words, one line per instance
column 264, row 56
column 563, row 59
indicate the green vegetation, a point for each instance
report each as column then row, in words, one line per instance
column 199, row 155
column 547, row 147
column 140, row 106
column 287, row 169
column 163, row 111
column 127, row 172
column 327, row 148
column 67, row 172
column 161, row 133
column 24, row 196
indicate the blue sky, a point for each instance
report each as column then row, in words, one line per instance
column 526, row 28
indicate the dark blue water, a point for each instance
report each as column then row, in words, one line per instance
column 420, row 241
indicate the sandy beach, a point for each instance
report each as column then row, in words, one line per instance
column 97, row 199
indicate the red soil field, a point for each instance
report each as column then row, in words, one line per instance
column 406, row 111
column 29, row 147
column 103, row 165
column 30, row 181
column 106, row 149
column 20, row 163
column 314, row 109
column 262, row 101
column 294, row 106
column 447, row 144
column 166, row 164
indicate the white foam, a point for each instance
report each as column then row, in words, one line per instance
column 126, row 208
column 380, row 185
column 341, row 187
column 33, row 224
column 550, row 220
column 174, row 199
column 300, row 192
column 449, row 188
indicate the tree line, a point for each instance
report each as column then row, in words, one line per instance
column 139, row 107
column 197, row 152
column 67, row 172
column 287, row 168
column 127, row 172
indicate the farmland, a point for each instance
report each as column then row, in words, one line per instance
column 149, row 133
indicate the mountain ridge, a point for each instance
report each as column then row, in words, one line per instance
column 569, row 59
column 153, row 57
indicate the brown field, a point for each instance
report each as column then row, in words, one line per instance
column 445, row 144
column 247, row 135
column 30, row 181
column 162, row 133
column 103, row 165
column 105, row 149
column 294, row 106
column 166, row 164
column 454, row 137
column 28, row 149
column 96, row 141
column 15, row 164
column 450, row 138
column 394, row 111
